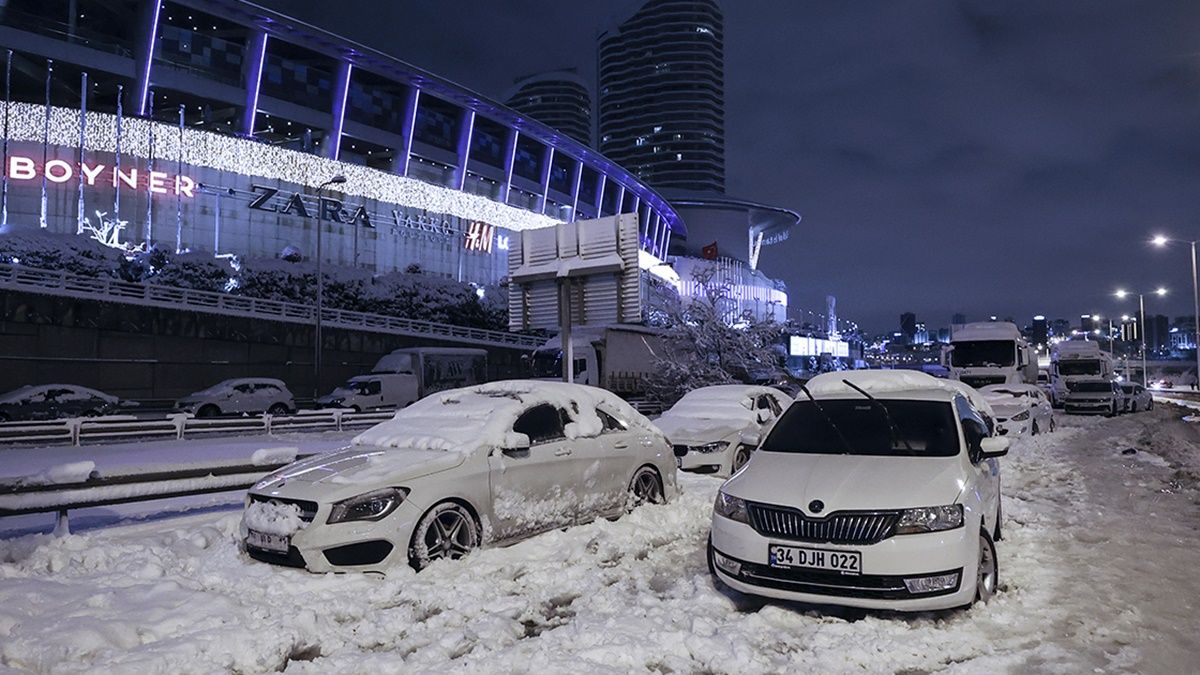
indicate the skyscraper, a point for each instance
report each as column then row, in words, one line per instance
column 560, row 99
column 908, row 326
column 662, row 94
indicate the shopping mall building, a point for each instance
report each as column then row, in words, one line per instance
column 209, row 125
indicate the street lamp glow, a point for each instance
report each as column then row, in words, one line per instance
column 1160, row 291
column 1124, row 317
column 1095, row 317
column 1121, row 293
column 1159, row 240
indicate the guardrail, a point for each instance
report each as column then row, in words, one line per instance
column 80, row 430
column 18, row 498
column 34, row 280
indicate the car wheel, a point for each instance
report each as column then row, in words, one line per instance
column 355, row 409
column 740, row 457
column 987, row 573
column 1033, row 430
column 278, row 409
column 208, row 410
column 448, row 530
column 1052, row 424
column 645, row 488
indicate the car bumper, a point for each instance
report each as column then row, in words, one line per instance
column 1010, row 428
column 885, row 566
column 703, row 462
column 1089, row 407
column 357, row 546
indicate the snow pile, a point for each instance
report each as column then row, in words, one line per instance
column 273, row 518
column 711, row 412
column 60, row 474
column 268, row 456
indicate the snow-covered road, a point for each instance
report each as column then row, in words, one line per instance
column 1097, row 570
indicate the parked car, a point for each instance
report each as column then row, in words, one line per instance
column 876, row 489
column 370, row 392
column 714, row 429
column 1095, row 396
column 251, row 395
column 458, row 470
column 1135, row 398
column 1020, row 409
column 54, row 401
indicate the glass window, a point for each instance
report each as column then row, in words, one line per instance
column 860, row 427
column 610, row 423
column 542, row 424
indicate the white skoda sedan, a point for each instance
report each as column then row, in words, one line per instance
column 714, row 429
column 880, row 491
column 457, row 470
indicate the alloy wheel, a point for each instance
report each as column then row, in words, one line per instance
column 447, row 531
column 986, row 572
column 646, row 487
column 740, row 457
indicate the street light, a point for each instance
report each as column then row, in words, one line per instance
column 1161, row 241
column 1122, row 294
column 336, row 180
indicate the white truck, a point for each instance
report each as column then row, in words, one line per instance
column 990, row 352
column 616, row 357
column 407, row 375
column 1076, row 360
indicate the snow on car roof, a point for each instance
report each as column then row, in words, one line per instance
column 986, row 330
column 893, row 384
column 460, row 419
column 28, row 390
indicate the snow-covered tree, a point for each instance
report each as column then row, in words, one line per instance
column 707, row 341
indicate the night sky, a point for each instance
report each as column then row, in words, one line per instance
column 1004, row 158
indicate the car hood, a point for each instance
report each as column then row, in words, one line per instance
column 1008, row 409
column 357, row 469
column 847, row 482
column 691, row 431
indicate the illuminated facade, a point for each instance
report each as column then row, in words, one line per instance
column 209, row 125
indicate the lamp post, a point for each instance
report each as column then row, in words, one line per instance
column 336, row 180
column 1122, row 294
column 1161, row 241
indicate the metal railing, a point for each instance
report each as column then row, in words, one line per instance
column 21, row 498
column 34, row 280
column 179, row 426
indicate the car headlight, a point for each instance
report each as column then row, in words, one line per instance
column 370, row 506
column 1021, row 416
column 711, row 447
column 731, row 507
column 930, row 519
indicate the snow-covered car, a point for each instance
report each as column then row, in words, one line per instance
column 1095, row 396
column 1135, row 398
column 1020, row 409
column 54, row 401
column 880, row 491
column 458, row 470
column 714, row 429
column 250, row 395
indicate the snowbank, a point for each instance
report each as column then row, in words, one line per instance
column 273, row 518
column 267, row 456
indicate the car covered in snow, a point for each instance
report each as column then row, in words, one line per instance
column 460, row 469
column 249, row 395
column 714, row 429
column 1095, row 396
column 875, row 489
column 1135, row 398
column 1020, row 409
column 54, row 401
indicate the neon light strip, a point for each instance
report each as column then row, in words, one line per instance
column 464, row 153
column 145, row 90
column 575, row 189
column 410, row 128
column 254, row 81
column 339, row 114
column 508, row 164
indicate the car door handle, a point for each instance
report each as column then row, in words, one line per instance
column 620, row 445
column 562, row 452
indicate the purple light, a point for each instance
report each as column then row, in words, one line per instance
column 339, row 114
column 255, row 83
column 546, row 177
column 575, row 188
column 411, row 128
column 145, row 91
column 464, row 153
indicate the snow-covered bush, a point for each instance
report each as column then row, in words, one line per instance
column 707, row 343
column 199, row 271
column 33, row 247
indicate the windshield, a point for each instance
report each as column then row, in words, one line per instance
column 547, row 363
column 1092, row 387
column 995, row 353
column 1000, row 393
column 1079, row 367
column 927, row 427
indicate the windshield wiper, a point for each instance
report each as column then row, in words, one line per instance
column 829, row 420
column 887, row 416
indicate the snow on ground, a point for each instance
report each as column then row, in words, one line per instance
column 1096, row 563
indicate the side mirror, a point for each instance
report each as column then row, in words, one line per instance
column 994, row 446
column 516, row 445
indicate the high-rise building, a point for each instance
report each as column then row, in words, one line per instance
column 1040, row 331
column 908, row 326
column 661, row 98
column 958, row 319
column 560, row 99
column 1086, row 323
column 1158, row 332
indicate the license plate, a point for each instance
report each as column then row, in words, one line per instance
column 846, row 562
column 267, row 541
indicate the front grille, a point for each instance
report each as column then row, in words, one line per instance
column 846, row 527
column 308, row 510
column 978, row 381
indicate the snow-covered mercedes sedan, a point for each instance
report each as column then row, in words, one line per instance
column 714, row 429
column 457, row 470
column 875, row 489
